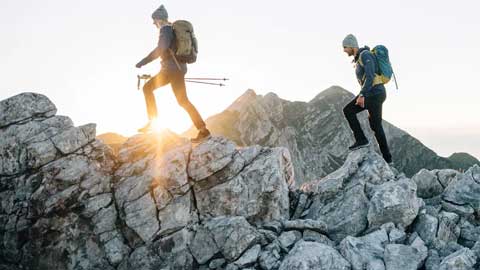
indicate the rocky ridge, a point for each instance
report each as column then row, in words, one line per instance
column 67, row 202
column 315, row 132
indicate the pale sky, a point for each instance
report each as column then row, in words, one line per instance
column 82, row 55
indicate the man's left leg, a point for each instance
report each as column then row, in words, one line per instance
column 374, row 106
column 151, row 85
column 350, row 111
column 180, row 91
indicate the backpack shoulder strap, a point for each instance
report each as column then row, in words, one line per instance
column 360, row 57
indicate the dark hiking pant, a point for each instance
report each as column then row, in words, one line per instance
column 374, row 106
column 177, row 80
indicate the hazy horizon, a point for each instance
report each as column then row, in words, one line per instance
column 82, row 55
column 436, row 138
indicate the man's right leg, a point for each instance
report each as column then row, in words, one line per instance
column 350, row 111
column 151, row 85
column 180, row 91
column 374, row 106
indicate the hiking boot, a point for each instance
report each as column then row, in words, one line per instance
column 358, row 145
column 203, row 134
column 391, row 164
column 146, row 128
column 392, row 167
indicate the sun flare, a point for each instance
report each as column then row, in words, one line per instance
column 158, row 126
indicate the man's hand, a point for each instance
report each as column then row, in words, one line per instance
column 139, row 64
column 361, row 101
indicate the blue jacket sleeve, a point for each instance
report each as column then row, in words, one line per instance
column 369, row 68
column 164, row 42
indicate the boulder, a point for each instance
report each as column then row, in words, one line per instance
column 313, row 256
column 362, row 250
column 427, row 184
column 461, row 260
column 394, row 201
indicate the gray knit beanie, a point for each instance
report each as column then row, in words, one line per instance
column 350, row 41
column 160, row 14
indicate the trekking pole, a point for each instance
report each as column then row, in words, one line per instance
column 208, row 79
column 395, row 79
column 209, row 83
column 191, row 80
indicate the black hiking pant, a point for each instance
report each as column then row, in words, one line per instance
column 177, row 80
column 374, row 106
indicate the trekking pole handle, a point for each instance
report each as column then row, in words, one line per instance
column 142, row 77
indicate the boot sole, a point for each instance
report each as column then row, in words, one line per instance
column 359, row 147
column 200, row 140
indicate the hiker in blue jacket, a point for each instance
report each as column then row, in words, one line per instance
column 371, row 97
column 170, row 73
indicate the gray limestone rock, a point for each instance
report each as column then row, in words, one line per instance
column 314, row 236
column 341, row 198
column 465, row 189
column 28, row 145
column 462, row 210
column 74, row 138
column 173, row 250
column 394, row 201
column 461, row 260
column 203, row 246
column 397, row 236
column 141, row 216
column 25, row 106
column 427, row 184
column 448, row 230
column 377, row 264
column 426, row 226
column 270, row 257
column 267, row 236
column 209, row 157
column 469, row 234
column 233, row 235
column 433, row 260
column 396, row 256
column 445, row 176
column 249, row 257
column 179, row 213
column 142, row 258
column 274, row 226
column 259, row 192
column 288, row 239
column 305, row 224
column 316, row 256
column 476, row 249
column 362, row 250
column 217, row 263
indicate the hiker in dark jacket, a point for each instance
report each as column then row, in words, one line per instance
column 371, row 97
column 172, row 72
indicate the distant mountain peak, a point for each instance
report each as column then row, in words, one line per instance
column 463, row 160
column 334, row 91
column 246, row 98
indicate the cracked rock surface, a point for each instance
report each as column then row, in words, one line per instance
column 68, row 202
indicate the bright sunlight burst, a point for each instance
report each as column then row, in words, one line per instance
column 158, row 126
